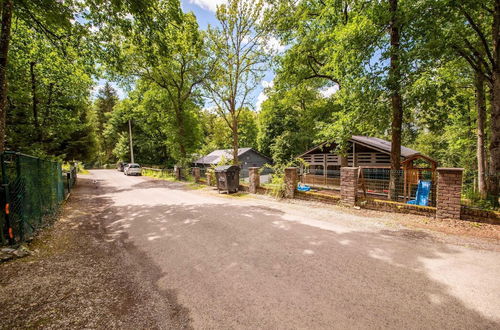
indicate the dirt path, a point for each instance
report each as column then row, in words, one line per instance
column 79, row 279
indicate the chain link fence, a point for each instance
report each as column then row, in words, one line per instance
column 31, row 193
column 376, row 183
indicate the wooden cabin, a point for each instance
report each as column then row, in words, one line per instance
column 363, row 151
column 372, row 155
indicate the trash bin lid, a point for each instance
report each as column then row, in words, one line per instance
column 227, row 168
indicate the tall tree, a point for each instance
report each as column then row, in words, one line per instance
column 472, row 29
column 479, row 80
column 238, row 46
column 52, row 19
column 176, row 61
column 394, row 86
column 7, row 8
column 106, row 100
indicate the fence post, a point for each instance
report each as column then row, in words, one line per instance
column 210, row 177
column 290, row 182
column 196, row 174
column 348, row 185
column 254, row 179
column 449, row 190
column 68, row 179
column 8, row 225
column 178, row 173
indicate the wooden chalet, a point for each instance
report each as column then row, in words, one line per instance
column 372, row 155
column 363, row 151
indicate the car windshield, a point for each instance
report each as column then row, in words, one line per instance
column 134, row 166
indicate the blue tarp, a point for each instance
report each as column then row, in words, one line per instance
column 301, row 187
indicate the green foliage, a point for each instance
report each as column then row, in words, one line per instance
column 277, row 183
column 49, row 97
column 159, row 174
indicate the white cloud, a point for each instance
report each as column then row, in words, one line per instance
column 267, row 84
column 273, row 45
column 262, row 96
column 329, row 91
column 260, row 99
column 208, row 4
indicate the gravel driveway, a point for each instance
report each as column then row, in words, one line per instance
column 214, row 261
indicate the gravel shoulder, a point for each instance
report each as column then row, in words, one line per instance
column 77, row 278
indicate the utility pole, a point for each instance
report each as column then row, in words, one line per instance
column 131, row 144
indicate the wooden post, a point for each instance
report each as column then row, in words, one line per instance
column 325, row 167
column 354, row 156
column 178, row 173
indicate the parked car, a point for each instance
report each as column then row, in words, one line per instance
column 120, row 166
column 132, row 169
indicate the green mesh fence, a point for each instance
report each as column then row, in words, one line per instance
column 32, row 192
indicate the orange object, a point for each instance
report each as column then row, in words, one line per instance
column 11, row 233
column 7, row 208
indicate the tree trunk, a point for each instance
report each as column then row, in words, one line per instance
column 36, row 122
column 481, row 119
column 7, row 9
column 234, row 129
column 344, row 161
column 493, row 182
column 48, row 105
column 396, row 102
column 182, row 132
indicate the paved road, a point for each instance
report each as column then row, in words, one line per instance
column 246, row 262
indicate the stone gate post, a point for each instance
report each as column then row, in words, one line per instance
column 348, row 185
column 449, row 190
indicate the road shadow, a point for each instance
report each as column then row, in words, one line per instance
column 139, row 263
column 282, row 273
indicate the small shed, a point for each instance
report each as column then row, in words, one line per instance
column 247, row 157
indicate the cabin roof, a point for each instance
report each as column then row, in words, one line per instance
column 372, row 142
column 382, row 145
column 216, row 156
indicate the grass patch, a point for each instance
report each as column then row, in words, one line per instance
column 163, row 175
column 239, row 194
column 196, row 186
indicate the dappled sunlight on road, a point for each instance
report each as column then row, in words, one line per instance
column 238, row 261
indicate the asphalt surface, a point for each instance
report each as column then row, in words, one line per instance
column 252, row 262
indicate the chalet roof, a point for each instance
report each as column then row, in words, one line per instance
column 216, row 156
column 375, row 143
column 382, row 145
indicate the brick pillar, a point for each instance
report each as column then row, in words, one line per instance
column 290, row 181
column 178, row 172
column 348, row 185
column 196, row 174
column 449, row 189
column 254, row 182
